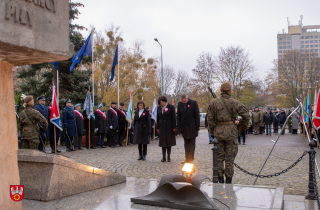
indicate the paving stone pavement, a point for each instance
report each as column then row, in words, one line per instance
column 123, row 160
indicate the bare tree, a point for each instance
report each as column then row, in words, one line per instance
column 234, row 65
column 168, row 79
column 182, row 84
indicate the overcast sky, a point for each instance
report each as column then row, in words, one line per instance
column 185, row 28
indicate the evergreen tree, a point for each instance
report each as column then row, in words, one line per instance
column 37, row 79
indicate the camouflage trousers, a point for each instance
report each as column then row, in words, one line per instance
column 225, row 167
column 30, row 144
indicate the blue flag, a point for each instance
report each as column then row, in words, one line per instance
column 154, row 110
column 115, row 62
column 308, row 108
column 55, row 65
column 88, row 106
column 129, row 111
column 86, row 49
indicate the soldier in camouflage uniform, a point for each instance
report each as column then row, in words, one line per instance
column 28, row 125
column 222, row 126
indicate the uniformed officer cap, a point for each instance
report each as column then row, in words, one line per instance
column 100, row 105
column 121, row 104
column 68, row 101
column 77, row 105
column 42, row 98
column 113, row 102
column 225, row 87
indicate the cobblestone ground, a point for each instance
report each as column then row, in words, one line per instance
column 123, row 160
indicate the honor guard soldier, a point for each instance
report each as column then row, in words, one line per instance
column 40, row 107
column 101, row 125
column 69, row 124
column 28, row 125
column 122, row 123
column 80, row 127
column 222, row 113
column 113, row 124
column 51, row 132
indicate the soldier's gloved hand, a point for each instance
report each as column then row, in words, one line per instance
column 110, row 127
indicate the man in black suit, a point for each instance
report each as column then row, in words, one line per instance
column 189, row 124
column 113, row 124
column 122, row 123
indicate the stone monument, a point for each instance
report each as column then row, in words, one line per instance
column 31, row 32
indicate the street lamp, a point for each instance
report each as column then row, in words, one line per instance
column 155, row 39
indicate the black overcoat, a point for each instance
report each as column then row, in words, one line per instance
column 268, row 118
column 113, row 119
column 80, row 123
column 101, row 121
column 282, row 118
column 189, row 119
column 86, row 121
column 142, row 127
column 122, row 122
column 166, row 124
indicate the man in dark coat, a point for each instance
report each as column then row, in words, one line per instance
column 44, row 111
column 101, row 125
column 113, row 124
column 282, row 119
column 268, row 120
column 80, row 127
column 51, row 132
column 69, row 125
column 122, row 123
column 92, row 128
column 275, row 120
column 166, row 127
column 189, row 124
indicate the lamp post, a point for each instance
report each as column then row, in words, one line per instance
column 155, row 39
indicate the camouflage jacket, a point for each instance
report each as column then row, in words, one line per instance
column 29, row 127
column 216, row 114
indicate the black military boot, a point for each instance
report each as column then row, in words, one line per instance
column 169, row 159
column 163, row 156
column 221, row 179
column 228, row 180
column 68, row 148
column 140, row 157
column 144, row 157
column 52, row 150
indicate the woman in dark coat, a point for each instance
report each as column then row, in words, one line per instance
column 142, row 129
column 166, row 127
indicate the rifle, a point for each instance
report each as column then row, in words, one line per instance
column 212, row 93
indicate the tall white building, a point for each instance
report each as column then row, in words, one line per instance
column 299, row 37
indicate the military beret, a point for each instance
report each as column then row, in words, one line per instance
column 77, row 105
column 28, row 99
column 41, row 98
column 225, row 86
column 100, row 105
column 113, row 102
column 121, row 104
column 68, row 101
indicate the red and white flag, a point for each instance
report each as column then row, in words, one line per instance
column 55, row 113
column 316, row 119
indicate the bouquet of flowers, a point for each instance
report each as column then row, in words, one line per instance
column 242, row 126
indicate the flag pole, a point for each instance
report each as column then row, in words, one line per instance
column 92, row 69
column 127, row 133
column 55, row 140
column 89, row 120
column 118, row 72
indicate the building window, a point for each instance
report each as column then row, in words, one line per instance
column 302, row 42
column 315, row 41
column 302, row 50
column 316, row 50
column 288, row 47
column 307, row 50
column 288, row 38
column 288, row 42
column 316, row 54
column 306, row 37
column 280, row 56
column 280, row 51
column 284, row 51
column 307, row 42
column 280, row 47
column 307, row 46
column 280, row 43
column 302, row 37
column 280, row 39
column 311, row 37
column 311, row 41
column 311, row 50
column 311, row 45
column 316, row 45
column 284, row 47
column 302, row 46
column 284, row 43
